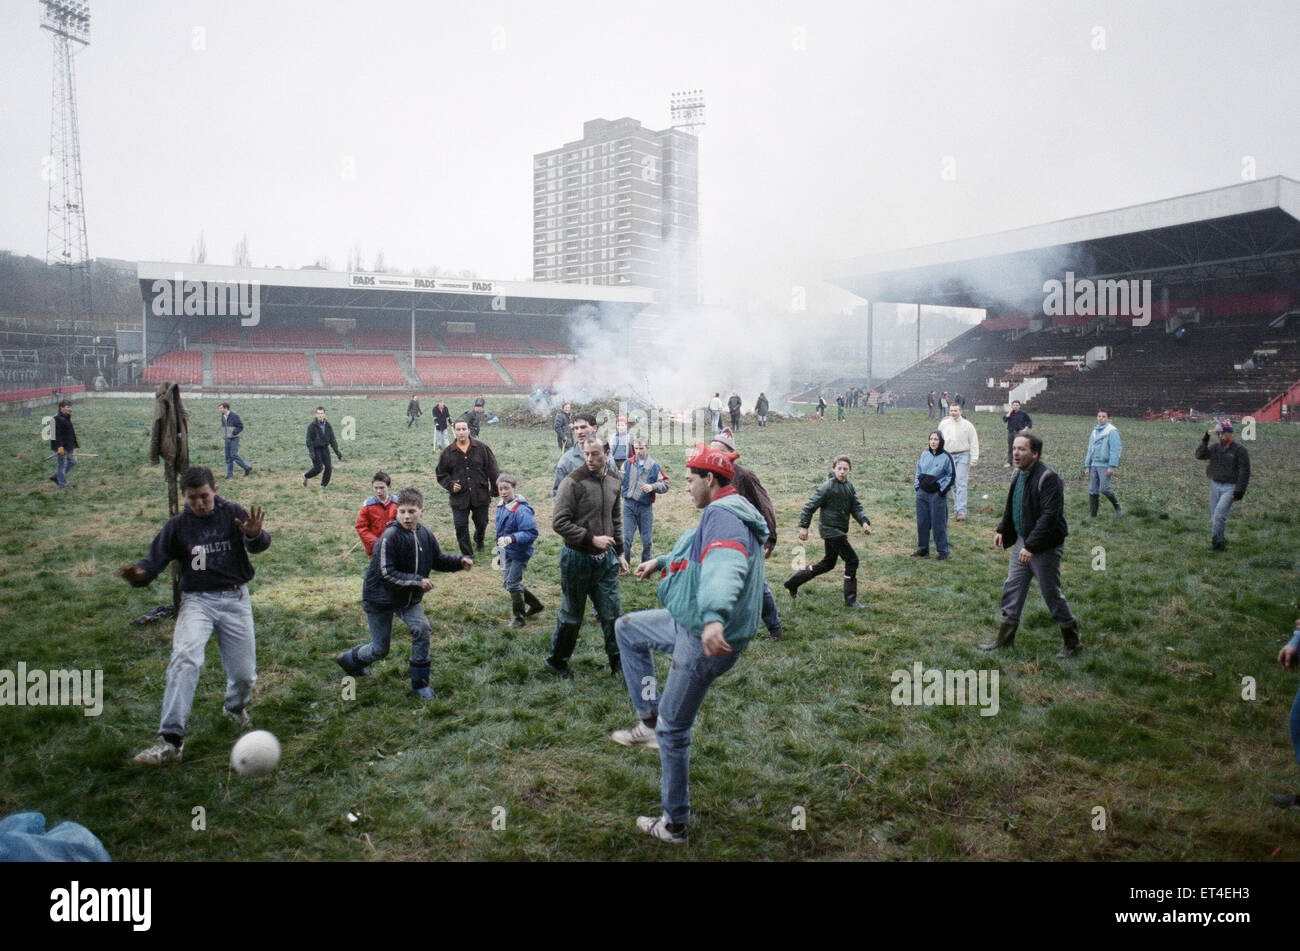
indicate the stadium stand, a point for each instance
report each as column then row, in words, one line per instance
column 458, row 371
column 485, row 343
column 360, row 369
column 179, row 366
column 534, row 371
column 260, row 368
column 542, row 345
column 44, row 392
column 226, row 335
column 308, row 338
column 393, row 340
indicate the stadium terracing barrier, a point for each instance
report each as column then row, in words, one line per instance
column 1281, row 408
column 41, row 392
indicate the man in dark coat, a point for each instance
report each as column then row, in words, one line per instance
column 467, row 469
column 1017, row 421
column 1033, row 523
column 320, row 439
column 64, row 444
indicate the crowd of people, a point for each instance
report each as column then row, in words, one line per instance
column 713, row 588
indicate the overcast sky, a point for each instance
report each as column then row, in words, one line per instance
column 833, row 129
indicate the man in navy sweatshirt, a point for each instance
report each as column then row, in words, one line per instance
column 210, row 539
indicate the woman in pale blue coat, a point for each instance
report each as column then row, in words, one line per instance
column 935, row 472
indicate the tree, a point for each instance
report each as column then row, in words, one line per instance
column 240, row 253
column 378, row 266
column 199, row 253
column 354, row 258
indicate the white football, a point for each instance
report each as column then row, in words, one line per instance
column 255, row 753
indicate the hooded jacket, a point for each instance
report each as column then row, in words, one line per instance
column 935, row 470
column 1104, row 448
column 373, row 519
column 715, row 571
column 400, row 560
column 517, row 519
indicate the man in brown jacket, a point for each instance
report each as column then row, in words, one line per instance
column 467, row 469
column 587, row 515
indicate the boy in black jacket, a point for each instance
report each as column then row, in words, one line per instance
column 395, row 583
column 320, row 439
column 64, row 444
column 210, row 539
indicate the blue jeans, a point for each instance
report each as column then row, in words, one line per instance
column 1220, row 503
column 689, row 678
column 63, row 466
column 638, row 516
column 381, row 633
column 232, row 457
column 1295, row 726
column 716, row 419
column 962, row 461
column 1098, row 481
column 931, row 515
column 512, row 573
column 231, row 614
column 441, row 438
column 771, row 619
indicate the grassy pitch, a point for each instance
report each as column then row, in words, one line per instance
column 1152, row 744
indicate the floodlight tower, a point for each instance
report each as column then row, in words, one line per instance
column 65, row 239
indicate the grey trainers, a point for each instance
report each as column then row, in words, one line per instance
column 657, row 828
column 238, row 717
column 161, row 753
column 638, row 735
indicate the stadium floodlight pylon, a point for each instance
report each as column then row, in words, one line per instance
column 65, row 241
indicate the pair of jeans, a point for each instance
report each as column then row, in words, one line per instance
column 638, row 516
column 512, row 573
column 1098, row 481
column 1046, row 567
column 63, row 466
column 230, row 612
column 771, row 619
column 1220, row 502
column 689, row 678
column 932, row 515
column 381, row 634
column 961, row 460
column 1295, row 726
column 232, row 457
column 320, row 460
column 717, row 419
column 441, row 438
column 460, row 518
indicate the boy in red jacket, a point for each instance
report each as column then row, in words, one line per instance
column 378, row 511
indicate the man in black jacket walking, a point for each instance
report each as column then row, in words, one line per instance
column 467, row 469
column 64, row 444
column 1017, row 421
column 320, row 439
column 1033, row 523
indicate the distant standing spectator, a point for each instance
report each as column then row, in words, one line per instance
column 1100, row 462
column 839, row 407
column 231, row 427
column 413, row 411
column 715, row 411
column 1017, row 421
column 563, row 427
column 733, row 404
column 960, row 401
column 621, row 444
column 441, row 425
column 1229, row 472
column 943, row 405
column 963, row 444
column 467, row 469
column 64, row 444
column 821, row 407
column 760, row 409
column 929, row 405
column 320, row 439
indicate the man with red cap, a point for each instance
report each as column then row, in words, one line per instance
column 712, row 594
column 1229, row 472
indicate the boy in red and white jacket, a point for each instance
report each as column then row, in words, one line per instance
column 376, row 513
